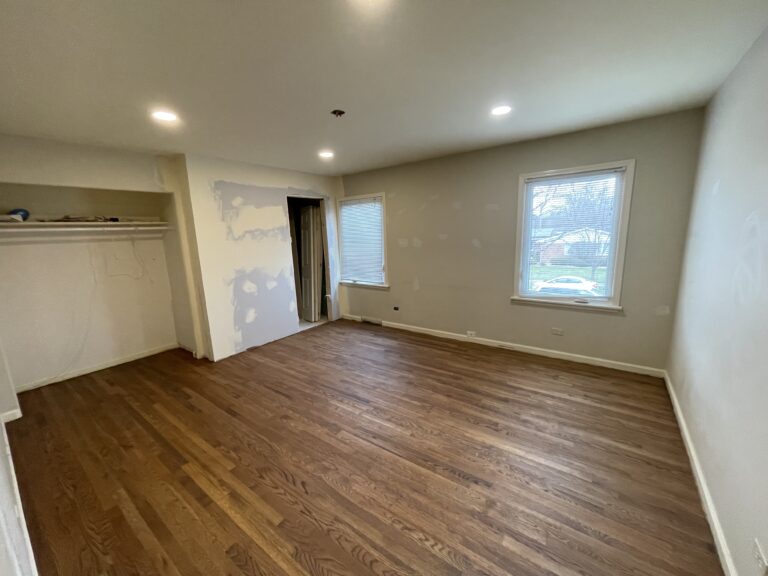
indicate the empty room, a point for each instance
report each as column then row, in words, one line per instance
column 384, row 287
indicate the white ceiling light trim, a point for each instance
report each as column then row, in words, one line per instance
column 501, row 110
column 165, row 116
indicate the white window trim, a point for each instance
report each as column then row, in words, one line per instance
column 605, row 304
column 384, row 285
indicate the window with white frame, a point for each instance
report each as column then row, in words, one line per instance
column 362, row 240
column 572, row 232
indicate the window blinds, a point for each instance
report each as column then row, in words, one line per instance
column 362, row 240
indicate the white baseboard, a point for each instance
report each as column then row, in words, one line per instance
column 351, row 317
column 88, row 370
column 14, row 414
column 591, row 360
column 726, row 560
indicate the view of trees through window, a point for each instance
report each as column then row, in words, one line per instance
column 570, row 235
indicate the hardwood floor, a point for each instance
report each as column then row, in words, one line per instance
column 353, row 449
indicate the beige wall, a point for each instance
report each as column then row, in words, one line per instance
column 718, row 364
column 451, row 240
column 242, row 242
column 181, row 256
column 37, row 161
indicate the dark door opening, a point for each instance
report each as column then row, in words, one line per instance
column 309, row 262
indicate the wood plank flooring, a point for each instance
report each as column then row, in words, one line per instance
column 353, row 449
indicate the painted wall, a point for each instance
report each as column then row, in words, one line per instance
column 179, row 246
column 451, row 235
column 242, row 242
column 718, row 365
column 36, row 161
column 57, row 201
column 16, row 558
column 9, row 403
column 75, row 304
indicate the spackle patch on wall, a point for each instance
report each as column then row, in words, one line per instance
column 262, row 304
column 253, row 212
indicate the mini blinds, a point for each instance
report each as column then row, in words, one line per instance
column 570, row 237
column 362, row 240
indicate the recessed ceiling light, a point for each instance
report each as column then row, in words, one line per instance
column 326, row 154
column 502, row 110
column 165, row 116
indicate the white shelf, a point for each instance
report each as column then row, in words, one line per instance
column 26, row 232
column 21, row 227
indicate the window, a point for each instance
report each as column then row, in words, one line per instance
column 572, row 230
column 361, row 222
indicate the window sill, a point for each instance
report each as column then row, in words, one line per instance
column 594, row 306
column 364, row 285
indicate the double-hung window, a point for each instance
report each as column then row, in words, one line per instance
column 362, row 240
column 572, row 231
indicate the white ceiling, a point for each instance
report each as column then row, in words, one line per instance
column 255, row 80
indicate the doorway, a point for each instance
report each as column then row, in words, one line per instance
column 308, row 246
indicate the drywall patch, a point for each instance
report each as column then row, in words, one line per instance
column 402, row 242
column 442, row 237
column 416, row 284
column 457, row 205
column 250, row 288
column 259, row 311
column 254, row 211
column 416, row 243
column 492, row 207
column 476, row 243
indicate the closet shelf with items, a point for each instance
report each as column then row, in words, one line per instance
column 30, row 211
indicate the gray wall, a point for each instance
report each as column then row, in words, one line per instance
column 718, row 365
column 451, row 240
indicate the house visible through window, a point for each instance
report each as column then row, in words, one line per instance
column 361, row 222
column 572, row 234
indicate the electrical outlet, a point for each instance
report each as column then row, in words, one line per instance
column 471, row 333
column 760, row 557
column 557, row 331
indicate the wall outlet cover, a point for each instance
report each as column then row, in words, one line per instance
column 557, row 331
